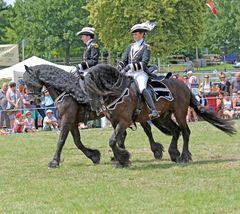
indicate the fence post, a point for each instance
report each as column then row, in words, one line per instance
column 159, row 64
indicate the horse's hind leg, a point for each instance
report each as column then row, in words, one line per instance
column 61, row 141
column 169, row 127
column 186, row 156
column 173, row 147
column 156, row 148
column 92, row 154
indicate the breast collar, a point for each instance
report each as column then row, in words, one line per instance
column 132, row 55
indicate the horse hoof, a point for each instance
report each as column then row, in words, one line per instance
column 53, row 164
column 96, row 157
column 158, row 150
column 174, row 156
column 183, row 160
column 112, row 159
column 119, row 165
column 158, row 155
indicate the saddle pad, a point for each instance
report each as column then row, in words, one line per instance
column 160, row 90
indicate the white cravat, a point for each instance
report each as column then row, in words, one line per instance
column 137, row 45
column 88, row 43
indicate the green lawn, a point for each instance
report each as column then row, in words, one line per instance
column 209, row 184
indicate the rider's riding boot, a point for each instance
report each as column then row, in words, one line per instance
column 154, row 113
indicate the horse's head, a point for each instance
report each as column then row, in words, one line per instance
column 33, row 83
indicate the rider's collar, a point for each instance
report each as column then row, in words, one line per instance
column 89, row 42
column 139, row 42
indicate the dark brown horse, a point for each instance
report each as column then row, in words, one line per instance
column 108, row 85
column 73, row 108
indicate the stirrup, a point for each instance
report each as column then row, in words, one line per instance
column 154, row 114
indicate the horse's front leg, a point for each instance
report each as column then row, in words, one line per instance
column 61, row 141
column 121, row 155
column 92, row 154
column 156, row 148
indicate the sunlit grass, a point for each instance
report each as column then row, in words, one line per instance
column 210, row 184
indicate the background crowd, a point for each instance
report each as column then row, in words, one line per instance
column 225, row 94
column 18, row 114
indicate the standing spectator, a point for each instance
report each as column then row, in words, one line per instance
column 191, row 79
column 191, row 115
column 236, row 105
column 50, row 122
column 206, row 84
column 48, row 102
column 29, row 123
column 224, row 84
column 14, row 99
column 236, row 84
column 18, row 123
column 227, row 106
column 3, row 105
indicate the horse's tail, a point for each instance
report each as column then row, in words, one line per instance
column 224, row 125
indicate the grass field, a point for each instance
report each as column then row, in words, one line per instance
column 209, row 184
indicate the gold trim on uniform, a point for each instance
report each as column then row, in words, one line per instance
column 95, row 45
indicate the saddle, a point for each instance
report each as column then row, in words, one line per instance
column 157, row 90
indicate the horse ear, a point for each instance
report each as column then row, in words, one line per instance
column 27, row 69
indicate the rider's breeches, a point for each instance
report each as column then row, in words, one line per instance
column 141, row 78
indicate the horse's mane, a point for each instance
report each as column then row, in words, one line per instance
column 104, row 79
column 59, row 79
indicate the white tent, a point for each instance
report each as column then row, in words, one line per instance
column 16, row 71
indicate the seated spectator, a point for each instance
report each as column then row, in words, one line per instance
column 18, row 123
column 185, row 79
column 50, row 122
column 236, row 105
column 206, row 84
column 29, row 123
column 228, row 111
column 3, row 132
column 224, row 84
column 236, row 84
column 220, row 105
column 201, row 98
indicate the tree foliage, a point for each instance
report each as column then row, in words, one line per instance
column 48, row 25
column 223, row 31
column 180, row 22
column 4, row 17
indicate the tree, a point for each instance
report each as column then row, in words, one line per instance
column 180, row 23
column 4, row 19
column 48, row 25
column 222, row 32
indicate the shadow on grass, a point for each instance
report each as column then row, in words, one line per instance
column 153, row 164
